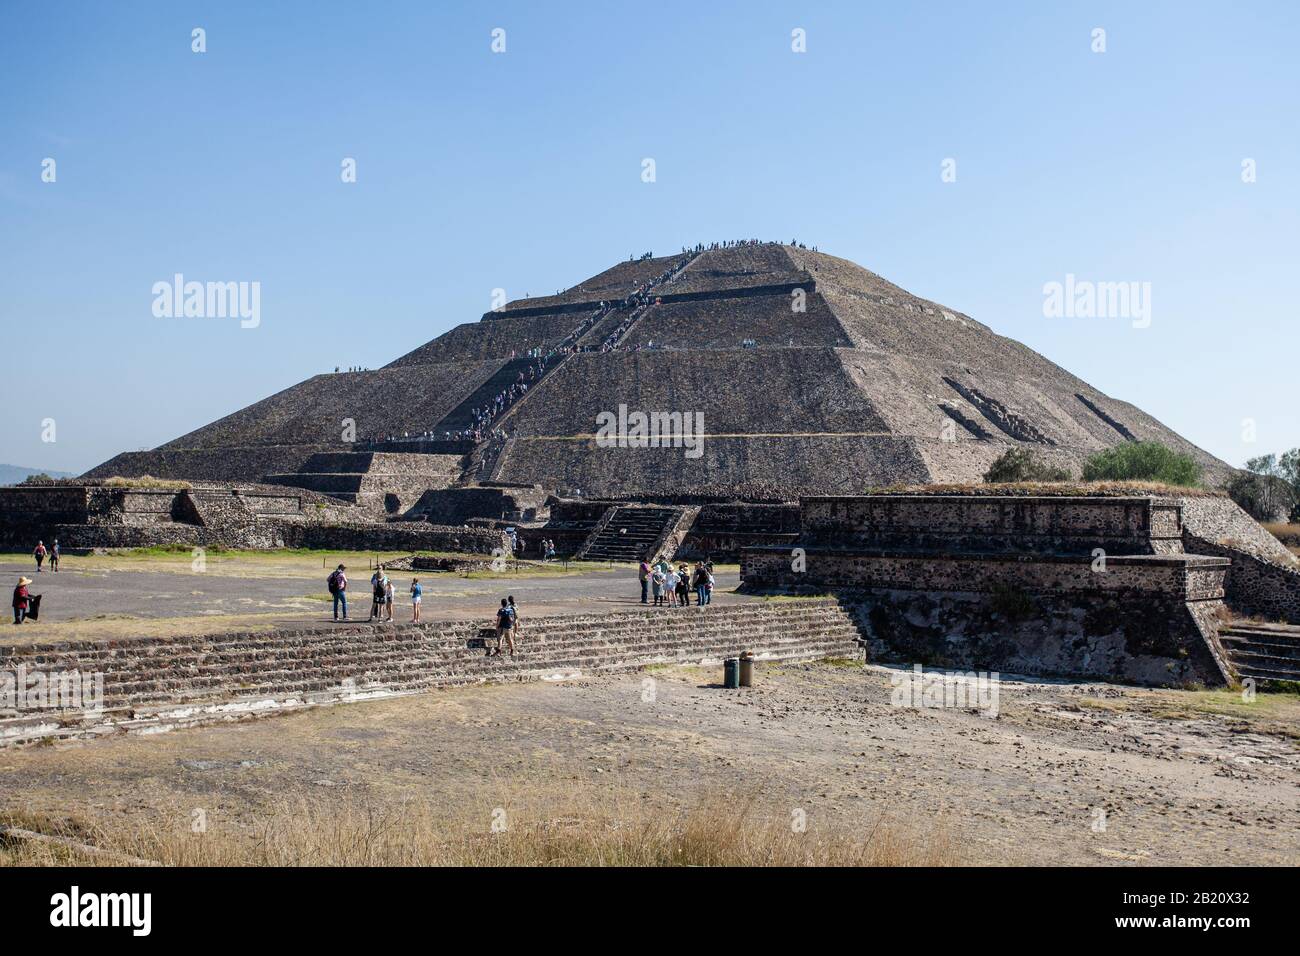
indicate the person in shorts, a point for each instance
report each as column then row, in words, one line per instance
column 505, row 627
column 417, row 593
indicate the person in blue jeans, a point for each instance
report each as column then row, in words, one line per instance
column 338, row 585
column 700, row 580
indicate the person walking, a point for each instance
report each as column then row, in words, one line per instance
column 417, row 594
column 388, row 597
column 39, row 555
column 338, row 585
column 643, row 572
column 514, row 617
column 54, row 556
column 505, row 625
column 21, row 599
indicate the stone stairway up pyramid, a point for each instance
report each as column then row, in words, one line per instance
column 629, row 534
column 1265, row 652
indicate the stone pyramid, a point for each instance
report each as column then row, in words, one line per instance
column 812, row 374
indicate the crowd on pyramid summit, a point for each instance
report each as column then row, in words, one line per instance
column 634, row 303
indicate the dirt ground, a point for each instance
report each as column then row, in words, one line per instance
column 161, row 595
column 1064, row 774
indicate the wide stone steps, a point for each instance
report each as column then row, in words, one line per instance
column 156, row 684
column 1263, row 652
column 267, row 666
column 149, row 654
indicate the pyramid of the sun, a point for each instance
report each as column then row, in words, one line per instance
column 813, row 375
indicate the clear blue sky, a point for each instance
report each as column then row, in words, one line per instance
column 522, row 171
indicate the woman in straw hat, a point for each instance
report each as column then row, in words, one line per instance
column 21, row 599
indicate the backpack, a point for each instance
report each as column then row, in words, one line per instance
column 332, row 582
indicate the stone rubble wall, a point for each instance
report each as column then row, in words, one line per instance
column 1153, row 641
column 1055, row 525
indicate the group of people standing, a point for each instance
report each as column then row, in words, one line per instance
column 671, row 587
column 381, row 591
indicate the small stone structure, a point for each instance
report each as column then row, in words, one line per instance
column 87, row 515
column 1080, row 586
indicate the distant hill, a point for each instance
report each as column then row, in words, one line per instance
column 12, row 474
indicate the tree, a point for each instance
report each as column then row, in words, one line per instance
column 1143, row 461
column 1270, row 487
column 1020, row 464
column 1266, row 498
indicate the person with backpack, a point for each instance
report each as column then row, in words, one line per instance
column 505, row 627
column 338, row 585
column 378, row 583
column 54, row 556
column 684, row 586
column 700, row 580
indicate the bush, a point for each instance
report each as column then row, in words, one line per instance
column 1143, row 461
column 1020, row 464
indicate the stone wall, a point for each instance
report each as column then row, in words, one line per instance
column 1053, row 525
column 1153, row 641
column 458, row 505
column 1264, row 580
column 1188, row 577
column 751, row 468
column 721, row 531
column 151, row 684
column 394, row 536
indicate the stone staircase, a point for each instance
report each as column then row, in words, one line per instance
column 461, row 417
column 1264, row 652
column 155, row 684
column 629, row 534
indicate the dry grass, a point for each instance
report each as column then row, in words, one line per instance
column 592, row 829
column 1288, row 534
column 146, row 481
column 1276, row 714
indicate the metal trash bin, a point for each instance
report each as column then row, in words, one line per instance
column 731, row 673
column 747, row 669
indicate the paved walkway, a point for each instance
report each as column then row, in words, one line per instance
column 100, row 601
